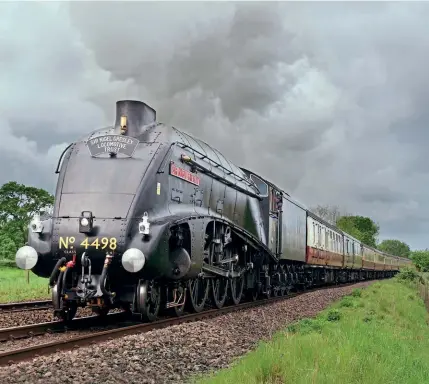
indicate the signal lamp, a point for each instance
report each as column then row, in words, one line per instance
column 144, row 225
column 85, row 222
column 123, row 125
column 36, row 224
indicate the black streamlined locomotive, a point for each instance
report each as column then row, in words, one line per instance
column 149, row 218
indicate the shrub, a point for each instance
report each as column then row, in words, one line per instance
column 305, row 326
column 333, row 315
column 347, row 301
column 408, row 274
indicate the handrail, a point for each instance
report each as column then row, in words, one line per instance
column 218, row 165
column 220, row 178
column 61, row 157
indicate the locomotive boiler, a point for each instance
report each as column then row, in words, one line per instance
column 149, row 218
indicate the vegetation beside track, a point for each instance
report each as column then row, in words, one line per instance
column 376, row 335
column 14, row 286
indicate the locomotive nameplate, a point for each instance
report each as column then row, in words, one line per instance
column 184, row 174
column 116, row 144
column 68, row 242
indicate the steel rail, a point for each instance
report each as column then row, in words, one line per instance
column 39, row 329
column 25, row 306
column 17, row 355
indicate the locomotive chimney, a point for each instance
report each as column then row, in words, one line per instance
column 132, row 116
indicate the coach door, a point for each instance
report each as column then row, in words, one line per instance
column 276, row 202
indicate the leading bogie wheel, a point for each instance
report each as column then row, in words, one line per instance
column 148, row 299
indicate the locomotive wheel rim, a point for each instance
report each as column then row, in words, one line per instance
column 55, row 298
column 152, row 302
column 219, row 296
column 148, row 300
column 236, row 285
column 56, row 292
column 198, row 292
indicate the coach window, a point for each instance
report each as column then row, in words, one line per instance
column 314, row 233
column 325, row 237
column 262, row 185
column 317, row 235
column 334, row 245
column 330, row 241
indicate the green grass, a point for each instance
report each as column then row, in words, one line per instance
column 378, row 335
column 14, row 286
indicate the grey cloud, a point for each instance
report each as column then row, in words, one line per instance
column 326, row 99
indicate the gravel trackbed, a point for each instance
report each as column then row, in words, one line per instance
column 173, row 354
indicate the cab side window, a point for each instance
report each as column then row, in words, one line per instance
column 261, row 185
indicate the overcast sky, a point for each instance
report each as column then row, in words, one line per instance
column 329, row 100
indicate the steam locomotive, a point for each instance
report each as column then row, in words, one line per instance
column 149, row 218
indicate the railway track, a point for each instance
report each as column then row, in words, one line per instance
column 25, row 306
column 122, row 326
column 34, row 330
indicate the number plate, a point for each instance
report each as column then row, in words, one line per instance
column 69, row 242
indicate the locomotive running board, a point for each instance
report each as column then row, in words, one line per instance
column 220, row 272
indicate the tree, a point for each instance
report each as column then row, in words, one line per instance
column 8, row 247
column 421, row 259
column 360, row 227
column 18, row 203
column 395, row 247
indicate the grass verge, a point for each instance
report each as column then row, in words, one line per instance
column 376, row 335
column 14, row 286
